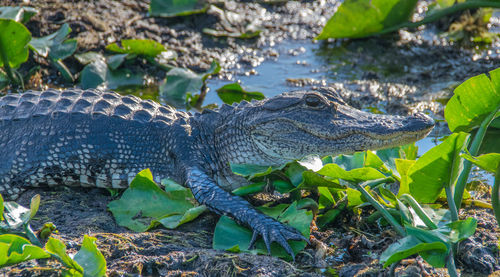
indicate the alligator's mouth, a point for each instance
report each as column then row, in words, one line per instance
column 290, row 139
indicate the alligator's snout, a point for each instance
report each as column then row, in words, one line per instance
column 418, row 122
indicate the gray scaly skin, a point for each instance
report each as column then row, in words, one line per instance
column 94, row 138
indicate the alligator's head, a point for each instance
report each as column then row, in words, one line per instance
column 293, row 125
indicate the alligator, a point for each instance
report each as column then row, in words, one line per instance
column 94, row 138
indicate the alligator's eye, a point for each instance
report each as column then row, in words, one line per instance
column 314, row 101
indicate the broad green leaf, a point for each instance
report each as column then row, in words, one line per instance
column 15, row 216
column 228, row 234
column 489, row 162
column 354, row 198
column 143, row 47
column 144, row 202
column 249, row 189
column 328, row 217
column 361, row 18
column 409, row 246
column 373, row 160
column 34, row 205
column 251, row 171
column 56, row 45
column 314, row 180
column 349, row 162
column 234, row 93
column 14, row 39
column 473, row 101
column 173, row 221
column 98, row 74
column 437, row 168
column 15, row 249
column 356, row 175
column 57, row 248
column 114, row 61
column 90, row 258
column 462, row 229
column 403, row 166
column 294, row 173
column 171, row 8
column 436, row 258
column 325, row 197
column 283, row 186
column 181, row 81
column 19, row 14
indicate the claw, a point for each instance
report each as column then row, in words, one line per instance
column 253, row 240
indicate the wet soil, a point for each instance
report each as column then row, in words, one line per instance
column 400, row 73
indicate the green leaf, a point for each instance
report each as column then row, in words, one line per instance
column 90, row 258
column 14, row 38
column 249, row 189
column 402, row 167
column 314, row 180
column 349, row 162
column 328, row 217
column 228, row 234
column 173, row 221
column 473, row 101
column 171, row 8
column 15, row 216
column 489, row 162
column 409, row 246
column 356, row 175
column 34, row 205
column 114, row 61
column 15, row 249
column 373, row 160
column 180, row 81
column 462, row 229
column 354, row 198
column 58, row 249
column 144, row 202
column 142, row 47
column 361, row 18
column 56, row 45
column 437, row 168
column 98, row 74
column 234, row 93
column 19, row 14
column 251, row 171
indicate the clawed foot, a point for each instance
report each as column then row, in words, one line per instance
column 272, row 230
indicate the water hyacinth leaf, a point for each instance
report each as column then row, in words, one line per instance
column 144, row 202
column 142, row 47
column 56, row 45
column 58, row 249
column 114, row 61
column 14, row 39
column 437, row 168
column 402, row 167
column 294, row 173
column 354, row 198
column 251, row 171
column 283, row 186
column 373, row 160
column 349, row 162
column 361, row 18
column 19, row 14
column 489, row 162
column 409, row 246
column 355, row 175
column 171, row 8
column 249, row 189
column 15, row 249
column 234, row 93
column 181, row 81
column 175, row 220
column 462, row 229
column 15, row 216
column 98, row 74
column 466, row 110
column 90, row 258
column 315, row 180
column 228, row 234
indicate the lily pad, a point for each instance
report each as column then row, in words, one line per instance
column 14, row 39
column 143, row 205
column 234, row 93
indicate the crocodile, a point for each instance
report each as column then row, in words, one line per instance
column 94, row 138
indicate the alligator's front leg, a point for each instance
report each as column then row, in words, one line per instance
column 207, row 192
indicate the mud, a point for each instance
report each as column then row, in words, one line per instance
column 415, row 71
